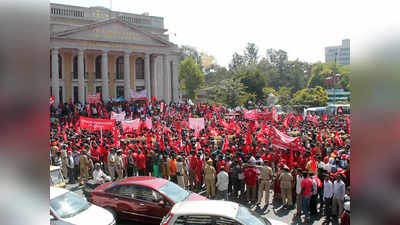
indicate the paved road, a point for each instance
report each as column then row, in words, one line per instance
column 275, row 211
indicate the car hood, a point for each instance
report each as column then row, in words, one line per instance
column 276, row 222
column 194, row 196
column 93, row 215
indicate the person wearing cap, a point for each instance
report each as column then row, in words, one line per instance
column 266, row 175
column 222, row 184
column 83, row 167
column 286, row 180
column 119, row 165
column 209, row 178
column 99, row 176
column 111, row 158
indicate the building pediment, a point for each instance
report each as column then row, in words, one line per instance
column 113, row 30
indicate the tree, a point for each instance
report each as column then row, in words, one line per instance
column 231, row 93
column 312, row 97
column 186, row 51
column 237, row 63
column 217, row 75
column 254, row 83
column 321, row 71
column 190, row 76
column 251, row 54
column 284, row 94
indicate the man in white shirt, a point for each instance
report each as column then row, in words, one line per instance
column 328, row 193
column 98, row 175
column 339, row 190
column 222, row 184
column 299, row 178
column 70, row 167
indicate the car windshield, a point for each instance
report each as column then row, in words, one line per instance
column 174, row 192
column 247, row 216
column 68, row 204
column 56, row 177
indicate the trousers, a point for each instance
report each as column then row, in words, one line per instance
column 210, row 186
column 264, row 186
column 337, row 203
column 286, row 194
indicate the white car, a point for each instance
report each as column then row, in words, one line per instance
column 214, row 212
column 67, row 207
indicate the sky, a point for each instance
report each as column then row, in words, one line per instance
column 301, row 28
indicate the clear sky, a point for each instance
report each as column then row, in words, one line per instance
column 302, row 28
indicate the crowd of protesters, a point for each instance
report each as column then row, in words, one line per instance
column 232, row 158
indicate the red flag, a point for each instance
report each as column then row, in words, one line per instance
column 319, row 137
column 226, row 144
column 313, row 164
column 291, row 157
column 324, row 117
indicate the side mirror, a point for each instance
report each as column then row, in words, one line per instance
column 162, row 203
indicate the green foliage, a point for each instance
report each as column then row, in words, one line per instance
column 217, row 75
column 312, row 97
column 284, row 94
column 321, row 71
column 231, row 93
column 190, row 76
column 254, row 83
column 268, row 90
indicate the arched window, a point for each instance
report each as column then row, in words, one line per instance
column 120, row 68
column 139, row 67
column 75, row 68
column 59, row 67
column 98, row 67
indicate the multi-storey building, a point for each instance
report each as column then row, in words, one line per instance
column 113, row 53
column 340, row 54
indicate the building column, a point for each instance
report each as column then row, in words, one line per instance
column 175, row 80
column 167, row 80
column 104, row 75
column 147, row 74
column 81, row 78
column 127, row 74
column 154, row 75
column 54, row 76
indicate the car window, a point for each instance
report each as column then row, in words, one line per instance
column 219, row 220
column 198, row 220
column 68, row 204
column 123, row 190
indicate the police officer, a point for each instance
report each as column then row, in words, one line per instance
column 111, row 158
column 209, row 177
column 266, row 175
column 83, row 167
column 286, row 180
column 119, row 166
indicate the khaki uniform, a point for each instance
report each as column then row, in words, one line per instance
column 286, row 187
column 209, row 177
column 266, row 175
column 64, row 164
column 119, row 166
column 84, row 168
column 111, row 165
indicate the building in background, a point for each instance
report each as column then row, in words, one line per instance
column 113, row 53
column 341, row 53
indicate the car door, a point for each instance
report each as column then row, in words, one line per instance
column 149, row 199
column 124, row 203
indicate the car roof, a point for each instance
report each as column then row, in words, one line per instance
column 55, row 192
column 152, row 182
column 208, row 207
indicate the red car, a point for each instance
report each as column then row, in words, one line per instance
column 143, row 199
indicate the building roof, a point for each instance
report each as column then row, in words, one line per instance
column 209, row 207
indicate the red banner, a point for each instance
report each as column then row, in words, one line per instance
column 96, row 124
column 130, row 125
column 281, row 140
column 93, row 98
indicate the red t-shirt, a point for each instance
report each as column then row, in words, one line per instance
column 251, row 176
column 141, row 161
column 306, row 186
column 220, row 164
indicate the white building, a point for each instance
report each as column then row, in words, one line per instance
column 340, row 54
column 98, row 50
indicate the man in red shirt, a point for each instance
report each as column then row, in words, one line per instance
column 251, row 174
column 141, row 161
column 306, row 192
